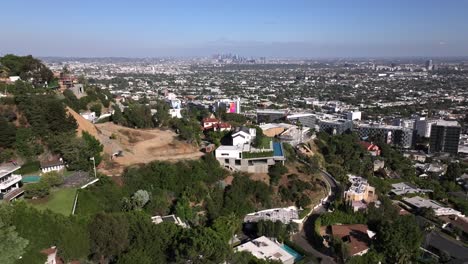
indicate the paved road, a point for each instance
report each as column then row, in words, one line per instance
column 300, row 238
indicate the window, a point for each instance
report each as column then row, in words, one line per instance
column 238, row 162
column 226, row 161
column 224, row 154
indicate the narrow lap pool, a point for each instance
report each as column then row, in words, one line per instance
column 277, row 149
column 291, row 251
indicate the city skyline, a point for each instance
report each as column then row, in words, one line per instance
column 271, row 29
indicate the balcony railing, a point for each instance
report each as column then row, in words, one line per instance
column 14, row 178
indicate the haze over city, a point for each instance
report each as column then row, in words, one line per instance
column 296, row 28
column 235, row 132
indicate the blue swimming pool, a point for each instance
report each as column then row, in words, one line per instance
column 277, row 149
column 291, row 251
column 31, row 179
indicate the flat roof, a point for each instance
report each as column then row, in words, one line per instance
column 8, row 168
column 447, row 123
column 264, row 248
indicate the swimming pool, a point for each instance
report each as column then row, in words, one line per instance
column 30, row 179
column 277, row 149
column 291, row 251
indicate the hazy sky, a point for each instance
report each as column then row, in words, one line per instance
column 283, row 28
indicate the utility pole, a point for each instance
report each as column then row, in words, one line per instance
column 94, row 165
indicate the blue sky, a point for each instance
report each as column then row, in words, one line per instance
column 283, row 28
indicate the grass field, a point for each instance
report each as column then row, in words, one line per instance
column 59, row 201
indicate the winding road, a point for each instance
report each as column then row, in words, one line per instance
column 300, row 238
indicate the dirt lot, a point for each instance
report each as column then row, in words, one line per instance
column 140, row 146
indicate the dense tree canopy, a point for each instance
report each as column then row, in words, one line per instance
column 27, row 67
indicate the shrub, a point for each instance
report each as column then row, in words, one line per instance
column 39, row 190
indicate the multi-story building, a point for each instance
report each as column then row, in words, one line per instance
column 231, row 106
column 270, row 115
column 305, row 119
column 9, row 181
column 393, row 135
column 445, row 136
column 422, row 126
column 360, row 193
column 241, row 156
column 336, row 126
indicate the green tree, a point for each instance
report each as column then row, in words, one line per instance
column 227, row 226
column 276, row 171
column 182, row 208
column 12, row 246
column 399, row 240
column 52, row 179
column 454, row 171
column 7, row 133
column 109, row 235
column 200, row 245
column 117, row 116
column 96, row 108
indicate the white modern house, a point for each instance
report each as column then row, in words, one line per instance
column 243, row 135
column 264, row 248
column 9, row 181
column 241, row 156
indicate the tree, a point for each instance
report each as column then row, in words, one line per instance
column 183, row 209
column 39, row 190
column 162, row 115
column 276, row 171
column 12, row 246
column 117, row 116
column 7, row 133
column 139, row 116
column 25, row 143
column 27, row 68
column 96, row 108
column 52, row 179
column 200, row 245
column 227, row 226
column 399, row 240
column 454, row 171
column 109, row 234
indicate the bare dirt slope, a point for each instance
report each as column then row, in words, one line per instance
column 140, row 146
column 83, row 124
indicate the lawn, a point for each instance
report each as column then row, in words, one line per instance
column 59, row 201
column 265, row 143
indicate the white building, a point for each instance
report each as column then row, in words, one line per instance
column 264, row 248
column 90, row 116
column 285, row 215
column 419, row 202
column 9, row 181
column 243, row 135
column 52, row 165
column 241, row 156
column 353, row 115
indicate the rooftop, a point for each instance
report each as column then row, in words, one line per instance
column 357, row 235
column 285, row 215
column 8, row 168
column 447, row 123
column 264, row 248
